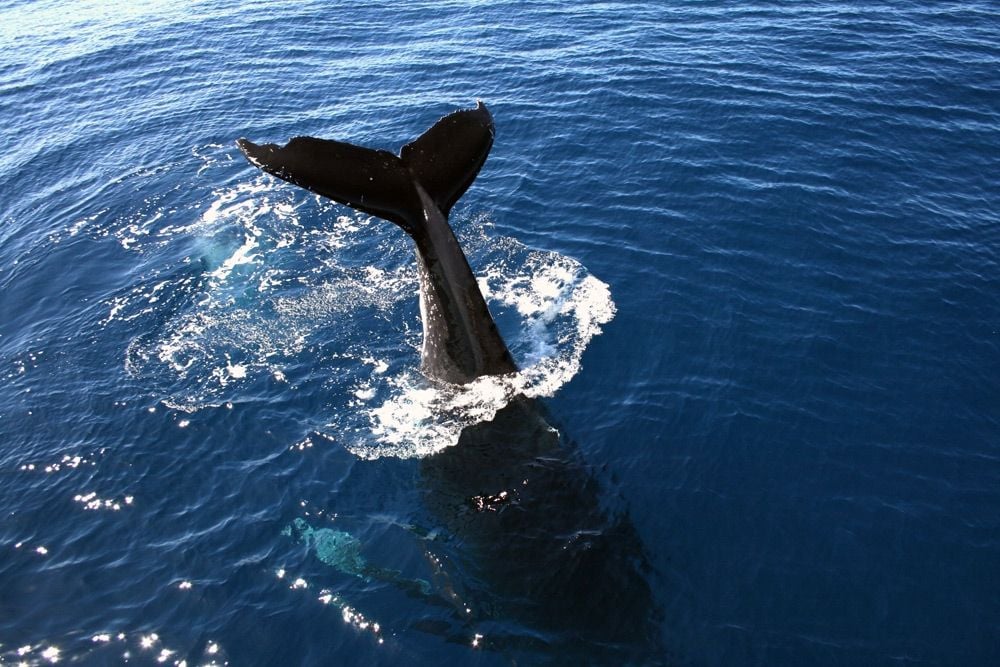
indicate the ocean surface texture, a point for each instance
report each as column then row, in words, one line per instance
column 745, row 254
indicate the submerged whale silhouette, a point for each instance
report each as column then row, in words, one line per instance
column 540, row 552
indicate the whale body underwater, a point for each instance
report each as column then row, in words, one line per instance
column 545, row 563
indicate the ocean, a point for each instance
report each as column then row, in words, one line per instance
column 745, row 255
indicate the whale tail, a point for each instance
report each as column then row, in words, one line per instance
column 444, row 161
column 415, row 189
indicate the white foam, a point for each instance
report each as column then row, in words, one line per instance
column 242, row 255
column 236, row 371
column 562, row 308
column 364, row 393
column 378, row 366
column 302, row 289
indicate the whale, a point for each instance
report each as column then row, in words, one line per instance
column 538, row 558
column 415, row 190
column 547, row 555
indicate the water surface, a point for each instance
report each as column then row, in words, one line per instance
column 746, row 253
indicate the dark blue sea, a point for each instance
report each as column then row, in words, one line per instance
column 746, row 255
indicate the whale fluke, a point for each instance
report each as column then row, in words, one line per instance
column 444, row 161
column 414, row 190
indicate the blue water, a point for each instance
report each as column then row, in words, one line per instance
column 751, row 250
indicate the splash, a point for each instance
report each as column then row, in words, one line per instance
column 277, row 282
column 560, row 308
column 256, row 291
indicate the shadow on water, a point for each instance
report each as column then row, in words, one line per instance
column 547, row 567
